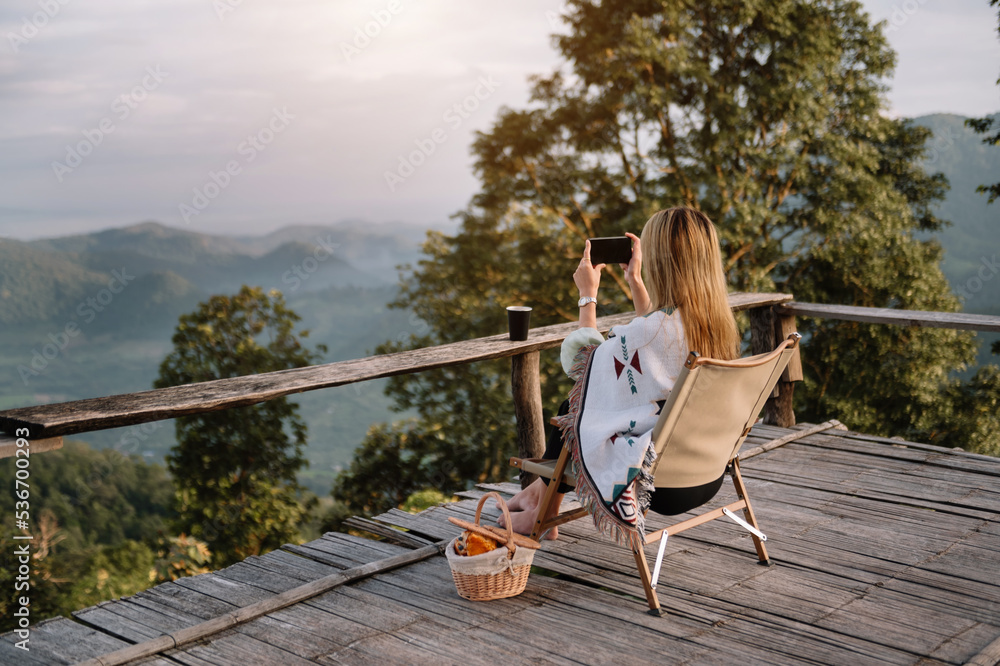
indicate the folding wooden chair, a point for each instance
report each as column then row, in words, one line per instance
column 704, row 421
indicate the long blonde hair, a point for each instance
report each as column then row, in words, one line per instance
column 683, row 266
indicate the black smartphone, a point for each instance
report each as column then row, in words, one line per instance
column 610, row 250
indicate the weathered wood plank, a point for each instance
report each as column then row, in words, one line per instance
column 885, row 554
column 749, row 452
column 479, row 644
column 723, row 630
column 422, row 523
column 224, row 589
column 365, row 608
column 158, row 404
column 957, row 320
column 341, row 552
column 380, row 650
column 217, row 586
column 62, row 641
column 787, row 466
column 265, row 579
column 989, row 656
column 388, row 533
column 156, row 620
column 232, row 648
column 319, row 556
column 124, row 628
column 182, row 601
column 9, row 654
column 302, row 617
column 314, row 620
column 289, row 564
column 362, row 549
column 289, row 637
column 894, row 623
column 966, row 646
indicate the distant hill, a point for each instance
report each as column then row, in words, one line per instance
column 974, row 235
column 121, row 291
column 972, row 242
column 38, row 286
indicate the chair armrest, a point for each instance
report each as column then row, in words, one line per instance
column 541, row 467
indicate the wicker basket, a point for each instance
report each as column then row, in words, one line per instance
column 499, row 573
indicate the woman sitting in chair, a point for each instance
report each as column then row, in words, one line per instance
column 622, row 382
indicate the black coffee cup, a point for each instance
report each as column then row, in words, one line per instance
column 517, row 322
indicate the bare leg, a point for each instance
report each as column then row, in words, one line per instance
column 528, row 498
column 523, row 522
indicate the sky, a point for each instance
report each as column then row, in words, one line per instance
column 244, row 116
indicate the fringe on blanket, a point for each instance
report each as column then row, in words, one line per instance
column 605, row 521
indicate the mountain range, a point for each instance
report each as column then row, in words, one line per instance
column 92, row 314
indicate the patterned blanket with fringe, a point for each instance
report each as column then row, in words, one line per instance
column 614, row 405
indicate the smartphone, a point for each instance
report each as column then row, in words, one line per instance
column 610, row 250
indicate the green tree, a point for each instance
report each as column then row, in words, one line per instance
column 984, row 125
column 96, row 517
column 770, row 117
column 235, row 470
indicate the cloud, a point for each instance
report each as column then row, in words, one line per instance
column 230, row 68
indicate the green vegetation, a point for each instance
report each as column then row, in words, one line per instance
column 43, row 284
column 772, row 121
column 98, row 520
column 235, row 470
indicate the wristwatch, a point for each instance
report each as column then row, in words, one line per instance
column 585, row 300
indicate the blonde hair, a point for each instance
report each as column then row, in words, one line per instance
column 683, row 266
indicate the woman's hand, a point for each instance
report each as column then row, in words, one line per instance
column 587, row 276
column 633, row 275
column 633, row 270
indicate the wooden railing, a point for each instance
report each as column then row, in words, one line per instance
column 772, row 318
column 51, row 422
column 957, row 320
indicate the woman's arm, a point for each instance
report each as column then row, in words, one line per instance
column 633, row 275
column 588, row 280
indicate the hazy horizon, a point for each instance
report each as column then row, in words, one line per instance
column 234, row 118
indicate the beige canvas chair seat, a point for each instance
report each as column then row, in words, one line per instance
column 697, row 438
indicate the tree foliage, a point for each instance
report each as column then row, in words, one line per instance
column 768, row 116
column 235, row 470
column 984, row 125
column 97, row 521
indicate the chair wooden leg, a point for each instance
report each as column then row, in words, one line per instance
column 748, row 515
column 551, row 491
column 647, row 583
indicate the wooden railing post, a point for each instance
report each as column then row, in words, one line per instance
column 527, row 391
column 767, row 330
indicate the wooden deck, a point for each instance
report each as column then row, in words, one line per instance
column 886, row 553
